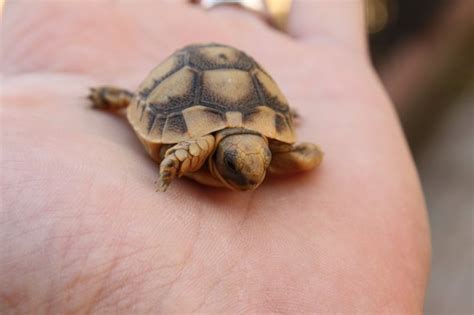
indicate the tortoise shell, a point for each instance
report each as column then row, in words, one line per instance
column 201, row 89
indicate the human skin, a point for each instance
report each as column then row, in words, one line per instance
column 82, row 228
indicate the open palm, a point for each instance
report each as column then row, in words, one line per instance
column 82, row 228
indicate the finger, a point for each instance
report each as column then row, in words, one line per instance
column 100, row 37
column 238, row 14
column 322, row 20
column 59, row 36
column 115, row 41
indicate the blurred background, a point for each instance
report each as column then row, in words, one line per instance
column 424, row 52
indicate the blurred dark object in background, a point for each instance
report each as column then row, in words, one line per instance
column 392, row 22
column 424, row 53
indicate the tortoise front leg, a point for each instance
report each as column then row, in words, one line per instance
column 110, row 98
column 287, row 158
column 185, row 157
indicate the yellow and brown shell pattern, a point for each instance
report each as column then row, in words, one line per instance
column 201, row 89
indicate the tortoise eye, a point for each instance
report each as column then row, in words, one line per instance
column 230, row 164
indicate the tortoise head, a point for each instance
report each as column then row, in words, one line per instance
column 241, row 161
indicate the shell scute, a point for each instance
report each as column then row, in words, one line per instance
column 174, row 128
column 205, row 88
column 175, row 92
column 160, row 73
column 272, row 94
column 230, row 89
column 218, row 57
column 202, row 120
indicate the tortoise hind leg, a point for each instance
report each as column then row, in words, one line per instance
column 110, row 98
column 287, row 158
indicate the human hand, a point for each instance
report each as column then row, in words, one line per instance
column 83, row 230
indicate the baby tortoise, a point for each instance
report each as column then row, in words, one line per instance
column 211, row 113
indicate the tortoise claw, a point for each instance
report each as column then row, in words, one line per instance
column 161, row 185
column 94, row 98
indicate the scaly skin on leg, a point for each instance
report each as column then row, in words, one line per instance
column 185, row 157
column 287, row 158
column 110, row 98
